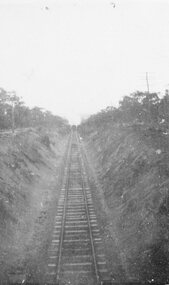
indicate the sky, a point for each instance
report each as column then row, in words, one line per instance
column 76, row 57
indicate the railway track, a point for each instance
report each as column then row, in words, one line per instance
column 76, row 253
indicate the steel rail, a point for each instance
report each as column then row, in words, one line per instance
column 88, row 218
column 72, row 198
column 64, row 211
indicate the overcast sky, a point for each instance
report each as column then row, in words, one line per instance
column 75, row 57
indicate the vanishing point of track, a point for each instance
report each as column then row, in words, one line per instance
column 76, row 253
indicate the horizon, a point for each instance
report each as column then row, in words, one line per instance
column 75, row 58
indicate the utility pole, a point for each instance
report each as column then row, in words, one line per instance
column 148, row 92
column 13, row 117
column 148, row 89
column 13, row 93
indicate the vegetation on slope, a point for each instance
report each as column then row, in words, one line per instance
column 30, row 165
column 131, row 146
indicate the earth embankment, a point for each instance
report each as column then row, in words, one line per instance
column 132, row 166
column 30, row 167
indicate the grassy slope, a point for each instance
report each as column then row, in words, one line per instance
column 133, row 168
column 29, row 168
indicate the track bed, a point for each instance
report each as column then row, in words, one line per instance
column 76, row 253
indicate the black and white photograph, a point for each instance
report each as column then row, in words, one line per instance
column 84, row 142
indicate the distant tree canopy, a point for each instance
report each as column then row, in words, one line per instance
column 139, row 108
column 25, row 116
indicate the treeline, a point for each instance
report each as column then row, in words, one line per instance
column 140, row 110
column 13, row 111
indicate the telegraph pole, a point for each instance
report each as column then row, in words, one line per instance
column 148, row 92
column 13, row 117
column 148, row 89
column 13, row 93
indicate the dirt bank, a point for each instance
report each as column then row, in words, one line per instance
column 30, row 164
column 131, row 166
